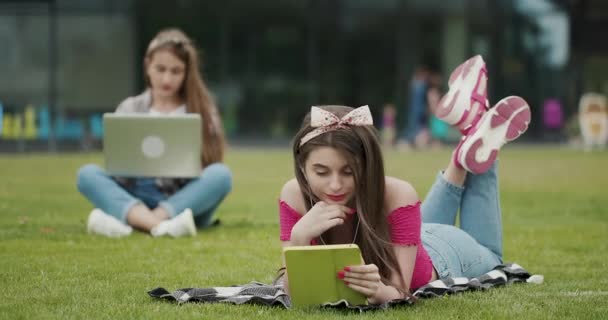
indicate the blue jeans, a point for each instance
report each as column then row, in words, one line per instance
column 476, row 247
column 202, row 195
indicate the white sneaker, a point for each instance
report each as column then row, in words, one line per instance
column 180, row 226
column 104, row 224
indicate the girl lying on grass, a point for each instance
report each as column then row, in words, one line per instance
column 340, row 194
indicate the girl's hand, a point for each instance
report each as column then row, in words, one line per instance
column 320, row 218
column 364, row 279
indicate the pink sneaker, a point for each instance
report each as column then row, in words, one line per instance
column 506, row 121
column 468, row 86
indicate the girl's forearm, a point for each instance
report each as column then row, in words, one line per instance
column 299, row 238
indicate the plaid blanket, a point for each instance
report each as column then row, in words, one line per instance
column 275, row 295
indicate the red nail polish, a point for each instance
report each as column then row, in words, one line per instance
column 346, row 282
column 340, row 274
column 346, row 268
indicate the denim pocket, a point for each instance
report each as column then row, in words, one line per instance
column 439, row 263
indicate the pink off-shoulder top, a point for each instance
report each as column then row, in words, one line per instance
column 405, row 224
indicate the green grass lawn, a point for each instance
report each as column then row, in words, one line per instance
column 555, row 213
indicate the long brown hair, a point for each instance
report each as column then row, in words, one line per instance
column 193, row 92
column 360, row 147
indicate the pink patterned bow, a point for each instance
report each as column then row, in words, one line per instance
column 325, row 121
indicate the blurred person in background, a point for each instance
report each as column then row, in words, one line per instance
column 416, row 131
column 438, row 129
column 389, row 113
column 164, row 206
column 593, row 120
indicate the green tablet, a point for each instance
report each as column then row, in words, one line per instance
column 312, row 272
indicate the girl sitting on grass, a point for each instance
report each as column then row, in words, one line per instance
column 340, row 194
column 163, row 207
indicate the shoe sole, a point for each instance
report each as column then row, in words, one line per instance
column 505, row 122
column 462, row 82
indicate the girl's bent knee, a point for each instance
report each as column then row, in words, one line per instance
column 85, row 175
column 221, row 175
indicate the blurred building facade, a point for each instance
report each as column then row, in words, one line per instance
column 65, row 62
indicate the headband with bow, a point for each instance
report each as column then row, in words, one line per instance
column 325, row 121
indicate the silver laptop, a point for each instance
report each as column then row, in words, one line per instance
column 141, row 145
